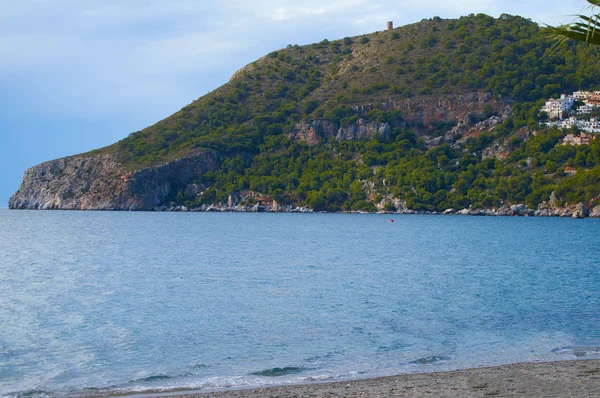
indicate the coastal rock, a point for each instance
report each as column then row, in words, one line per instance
column 595, row 211
column 544, row 213
column 234, row 199
column 520, row 210
column 504, row 211
column 195, row 189
column 101, row 183
column 580, row 211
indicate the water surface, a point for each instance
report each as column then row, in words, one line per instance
column 97, row 302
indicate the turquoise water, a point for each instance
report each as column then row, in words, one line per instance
column 98, row 302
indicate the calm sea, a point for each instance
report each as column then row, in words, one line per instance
column 99, row 302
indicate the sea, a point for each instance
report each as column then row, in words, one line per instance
column 98, row 303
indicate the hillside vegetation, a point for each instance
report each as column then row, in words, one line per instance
column 252, row 122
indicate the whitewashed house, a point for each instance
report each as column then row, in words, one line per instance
column 592, row 125
column 581, row 95
column 555, row 107
column 584, row 109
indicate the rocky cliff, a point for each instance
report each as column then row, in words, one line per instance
column 102, row 183
column 422, row 114
column 319, row 130
column 425, row 112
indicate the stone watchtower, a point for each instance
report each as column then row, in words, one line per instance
column 390, row 25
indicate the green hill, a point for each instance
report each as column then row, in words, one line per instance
column 430, row 116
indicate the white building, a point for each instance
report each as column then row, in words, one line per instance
column 555, row 107
column 588, row 97
column 585, row 109
column 591, row 126
column 581, row 95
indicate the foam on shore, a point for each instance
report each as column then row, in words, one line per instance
column 578, row 378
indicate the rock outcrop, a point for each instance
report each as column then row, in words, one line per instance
column 501, row 149
column 422, row 114
column 579, row 210
column 101, row 183
column 319, row 130
column 426, row 112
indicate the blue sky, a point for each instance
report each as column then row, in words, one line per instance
column 76, row 75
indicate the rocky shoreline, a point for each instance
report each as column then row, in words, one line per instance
column 519, row 210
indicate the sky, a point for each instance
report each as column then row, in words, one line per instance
column 76, row 75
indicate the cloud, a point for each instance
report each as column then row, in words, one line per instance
column 136, row 10
column 102, row 57
column 311, row 8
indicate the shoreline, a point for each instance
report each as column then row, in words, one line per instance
column 570, row 378
column 578, row 211
column 464, row 212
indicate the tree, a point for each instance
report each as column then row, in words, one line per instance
column 585, row 29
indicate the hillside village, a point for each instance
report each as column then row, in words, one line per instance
column 570, row 111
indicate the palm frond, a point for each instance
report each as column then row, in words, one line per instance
column 585, row 29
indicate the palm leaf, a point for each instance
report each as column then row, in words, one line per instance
column 585, row 29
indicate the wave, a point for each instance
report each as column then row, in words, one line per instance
column 277, row 372
column 153, row 378
column 577, row 351
column 429, row 359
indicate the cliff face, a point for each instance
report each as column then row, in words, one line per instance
column 425, row 112
column 419, row 113
column 100, row 183
column 318, row 130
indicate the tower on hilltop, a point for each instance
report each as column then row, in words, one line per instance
column 390, row 25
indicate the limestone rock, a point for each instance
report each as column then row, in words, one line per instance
column 362, row 129
column 519, row 209
column 580, row 211
column 319, row 130
column 101, row 183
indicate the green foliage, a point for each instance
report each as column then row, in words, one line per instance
column 250, row 121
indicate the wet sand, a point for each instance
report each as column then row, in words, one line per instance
column 549, row 379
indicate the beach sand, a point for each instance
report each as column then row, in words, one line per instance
column 549, row 379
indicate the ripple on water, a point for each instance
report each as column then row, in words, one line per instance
column 276, row 372
column 91, row 300
column 429, row 359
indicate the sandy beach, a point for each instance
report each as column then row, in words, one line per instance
column 549, row 379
